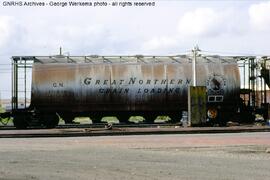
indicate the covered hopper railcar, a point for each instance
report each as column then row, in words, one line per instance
column 97, row 86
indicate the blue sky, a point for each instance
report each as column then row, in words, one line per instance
column 171, row 27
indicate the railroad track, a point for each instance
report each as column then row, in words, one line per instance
column 120, row 129
column 119, row 125
column 101, row 125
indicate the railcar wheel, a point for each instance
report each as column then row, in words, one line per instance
column 149, row 118
column 123, row 118
column 96, row 119
column 176, row 117
column 68, row 119
column 50, row 120
column 20, row 121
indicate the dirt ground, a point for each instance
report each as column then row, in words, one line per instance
column 198, row 156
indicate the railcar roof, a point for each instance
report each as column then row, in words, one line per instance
column 129, row 59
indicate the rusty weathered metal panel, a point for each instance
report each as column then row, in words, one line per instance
column 127, row 86
column 93, row 83
column 53, row 85
column 178, row 81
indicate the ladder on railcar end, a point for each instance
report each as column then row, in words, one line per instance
column 21, row 82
